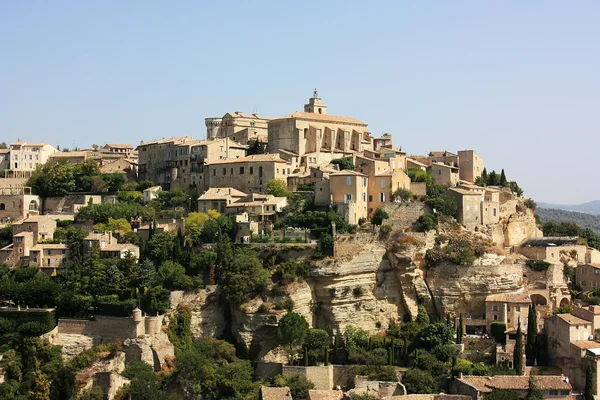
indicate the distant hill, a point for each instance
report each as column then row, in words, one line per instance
column 585, row 220
column 591, row 207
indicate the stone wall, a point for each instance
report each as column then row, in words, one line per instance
column 418, row 188
column 104, row 326
column 404, row 215
column 110, row 383
column 320, row 376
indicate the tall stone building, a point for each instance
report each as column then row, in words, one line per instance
column 25, row 157
column 238, row 126
column 470, row 164
column 317, row 137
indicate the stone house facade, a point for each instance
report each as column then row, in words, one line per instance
column 317, row 137
column 444, row 174
column 219, row 198
column 25, row 157
column 509, row 308
column 471, row 165
column 238, row 126
column 49, row 257
column 17, row 202
column 588, row 276
column 349, row 193
column 248, row 174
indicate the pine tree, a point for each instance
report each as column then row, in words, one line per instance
column 588, row 392
column 531, row 346
column 518, row 353
column 503, row 180
column 484, row 176
column 493, row 179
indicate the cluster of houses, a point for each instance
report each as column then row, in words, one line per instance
column 231, row 177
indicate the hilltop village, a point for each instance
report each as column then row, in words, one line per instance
column 293, row 257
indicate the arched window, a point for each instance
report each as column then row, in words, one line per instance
column 33, row 205
column 2, row 207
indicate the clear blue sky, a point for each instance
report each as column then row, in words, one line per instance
column 517, row 82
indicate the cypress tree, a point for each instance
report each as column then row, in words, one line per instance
column 484, row 176
column 458, row 335
column 305, row 356
column 531, row 346
column 461, row 331
column 448, row 319
column 326, row 356
column 503, row 180
column 518, row 354
column 534, row 393
column 588, row 392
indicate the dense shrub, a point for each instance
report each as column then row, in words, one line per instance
column 426, row 222
column 459, row 251
column 497, row 330
column 538, row 265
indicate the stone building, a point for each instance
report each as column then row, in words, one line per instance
column 555, row 249
column 587, row 276
column 151, row 193
column 239, row 127
column 25, row 157
column 118, row 148
column 444, row 174
column 476, row 205
column 384, row 140
column 471, row 165
column 248, row 174
column 551, row 386
column 219, row 198
column 17, row 202
column 509, row 308
column 349, row 193
column 258, row 207
column 126, row 166
column 26, row 235
column 4, row 161
column 156, row 159
column 49, row 257
column 190, row 164
column 274, row 393
column 317, row 137
column 444, row 157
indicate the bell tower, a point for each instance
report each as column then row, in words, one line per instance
column 315, row 105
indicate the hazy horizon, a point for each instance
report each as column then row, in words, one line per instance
column 516, row 82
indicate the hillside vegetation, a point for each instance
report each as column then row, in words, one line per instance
column 588, row 221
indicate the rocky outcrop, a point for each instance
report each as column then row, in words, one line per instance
column 72, row 344
column 208, row 315
column 151, row 349
column 462, row 289
column 519, row 227
column 257, row 331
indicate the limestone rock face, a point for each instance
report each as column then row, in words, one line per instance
column 72, row 344
column 520, row 226
column 258, row 331
column 463, row 289
column 208, row 315
column 150, row 349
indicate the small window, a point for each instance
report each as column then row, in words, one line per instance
column 439, row 171
column 507, row 308
column 364, row 181
column 348, row 198
column 518, row 309
column 495, row 317
column 224, row 171
column 251, row 170
column 383, row 183
column 565, row 393
column 49, row 252
column 382, row 197
column 241, row 170
column 348, row 180
column 554, row 393
column 494, row 308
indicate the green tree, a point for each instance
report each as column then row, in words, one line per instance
column 588, row 391
column 317, row 341
column 171, row 275
column 277, row 188
column 493, row 179
column 518, row 354
column 378, row 216
column 433, row 335
column 257, row 147
column 503, row 181
column 402, row 194
column 460, row 330
column 343, row 163
column 534, row 393
column 55, row 178
column 531, row 346
column 299, row 385
column 422, row 315
column 418, row 381
column 161, row 246
column 291, row 332
column 243, row 277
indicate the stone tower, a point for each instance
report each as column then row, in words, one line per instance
column 212, row 127
column 315, row 105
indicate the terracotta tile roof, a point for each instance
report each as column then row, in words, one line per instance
column 44, row 246
column 119, row 146
column 441, row 153
column 239, row 114
column 347, row 172
column 412, row 160
column 223, row 193
column 573, row 320
column 325, row 394
column 153, row 189
column 252, row 158
column 487, row 383
column 321, row 118
column 465, row 192
column 586, row 344
column 509, row 297
column 437, row 164
column 175, row 140
column 274, row 393
column 120, row 247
